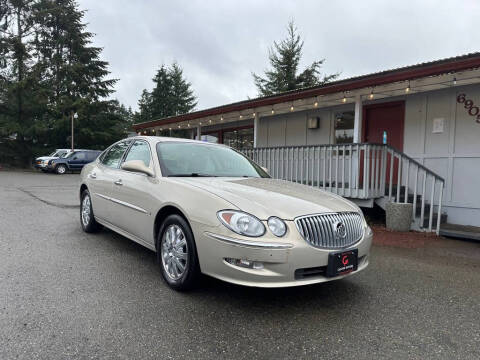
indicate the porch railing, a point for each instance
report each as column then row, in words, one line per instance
column 359, row 171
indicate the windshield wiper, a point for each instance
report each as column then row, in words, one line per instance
column 191, row 175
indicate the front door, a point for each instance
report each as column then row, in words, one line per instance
column 386, row 118
column 384, row 124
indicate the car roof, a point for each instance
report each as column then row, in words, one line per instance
column 157, row 139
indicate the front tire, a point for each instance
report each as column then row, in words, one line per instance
column 61, row 169
column 177, row 254
column 87, row 219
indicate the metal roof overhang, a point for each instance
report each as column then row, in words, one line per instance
column 418, row 78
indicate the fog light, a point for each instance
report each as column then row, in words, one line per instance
column 249, row 264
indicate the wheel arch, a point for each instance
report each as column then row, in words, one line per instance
column 83, row 187
column 162, row 214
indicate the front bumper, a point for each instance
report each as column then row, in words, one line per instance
column 286, row 261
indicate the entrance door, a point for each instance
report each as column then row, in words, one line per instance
column 387, row 120
column 386, row 117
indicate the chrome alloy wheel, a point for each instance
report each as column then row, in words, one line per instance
column 174, row 252
column 86, row 210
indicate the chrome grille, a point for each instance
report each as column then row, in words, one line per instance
column 331, row 230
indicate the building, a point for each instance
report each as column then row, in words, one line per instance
column 333, row 136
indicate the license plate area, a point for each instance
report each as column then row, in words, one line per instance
column 342, row 262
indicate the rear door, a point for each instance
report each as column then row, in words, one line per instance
column 77, row 160
column 102, row 178
column 133, row 190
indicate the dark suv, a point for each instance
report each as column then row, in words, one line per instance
column 74, row 161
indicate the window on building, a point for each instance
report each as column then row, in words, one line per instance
column 239, row 139
column 212, row 137
column 176, row 133
column 344, row 123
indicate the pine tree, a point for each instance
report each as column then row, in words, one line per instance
column 161, row 97
column 22, row 100
column 171, row 95
column 183, row 99
column 75, row 75
column 284, row 59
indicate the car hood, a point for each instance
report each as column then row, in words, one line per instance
column 265, row 197
column 46, row 158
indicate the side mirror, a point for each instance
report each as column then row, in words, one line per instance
column 264, row 169
column 137, row 166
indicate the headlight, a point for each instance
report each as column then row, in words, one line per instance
column 277, row 226
column 241, row 223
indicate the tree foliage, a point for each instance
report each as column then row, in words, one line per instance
column 284, row 74
column 171, row 95
column 49, row 70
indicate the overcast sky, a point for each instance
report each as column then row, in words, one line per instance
column 219, row 43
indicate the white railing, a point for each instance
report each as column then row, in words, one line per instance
column 360, row 171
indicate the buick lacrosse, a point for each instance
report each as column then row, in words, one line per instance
column 206, row 208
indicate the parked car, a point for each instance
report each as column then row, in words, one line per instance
column 206, row 208
column 42, row 161
column 74, row 161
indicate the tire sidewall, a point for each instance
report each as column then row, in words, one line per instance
column 187, row 281
column 92, row 225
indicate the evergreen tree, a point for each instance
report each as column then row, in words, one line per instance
column 171, row 95
column 183, row 99
column 284, row 59
column 75, row 75
column 22, row 99
column 48, row 71
column 161, row 98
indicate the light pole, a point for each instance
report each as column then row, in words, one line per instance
column 74, row 116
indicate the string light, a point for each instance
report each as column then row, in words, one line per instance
column 273, row 111
column 210, row 121
column 291, row 107
column 454, row 81
column 407, row 89
column 241, row 116
column 371, row 95
column 188, row 124
column 344, row 100
column 221, row 118
column 254, row 113
column 316, row 102
column 200, row 123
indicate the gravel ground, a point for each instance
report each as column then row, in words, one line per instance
column 68, row 295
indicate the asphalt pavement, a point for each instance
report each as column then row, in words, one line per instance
column 65, row 294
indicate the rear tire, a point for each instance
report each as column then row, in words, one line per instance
column 177, row 254
column 87, row 219
column 61, row 169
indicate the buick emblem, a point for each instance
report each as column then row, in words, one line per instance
column 340, row 230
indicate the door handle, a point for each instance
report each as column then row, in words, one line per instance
column 118, row 182
column 93, row 175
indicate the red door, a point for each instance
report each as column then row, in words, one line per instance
column 385, row 118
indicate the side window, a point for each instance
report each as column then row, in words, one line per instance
column 139, row 151
column 113, row 156
column 80, row 156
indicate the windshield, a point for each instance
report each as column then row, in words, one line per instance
column 194, row 159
